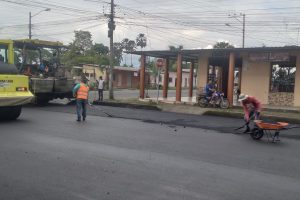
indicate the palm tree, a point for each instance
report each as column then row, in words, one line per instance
column 173, row 62
column 141, row 41
column 125, row 47
column 131, row 47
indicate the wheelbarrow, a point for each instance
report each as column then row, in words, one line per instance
column 270, row 130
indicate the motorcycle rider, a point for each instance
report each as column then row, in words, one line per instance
column 252, row 108
column 209, row 89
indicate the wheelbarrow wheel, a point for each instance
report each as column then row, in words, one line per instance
column 257, row 133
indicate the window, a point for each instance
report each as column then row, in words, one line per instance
column 283, row 77
column 170, row 80
column 3, row 53
column 212, row 73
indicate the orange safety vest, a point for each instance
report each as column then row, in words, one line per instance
column 83, row 92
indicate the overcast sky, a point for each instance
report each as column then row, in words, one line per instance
column 191, row 23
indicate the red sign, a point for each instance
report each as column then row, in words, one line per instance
column 159, row 62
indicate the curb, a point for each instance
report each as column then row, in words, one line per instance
column 127, row 105
column 273, row 109
column 241, row 115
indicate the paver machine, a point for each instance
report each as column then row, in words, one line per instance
column 40, row 61
column 14, row 88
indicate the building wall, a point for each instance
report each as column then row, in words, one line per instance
column 95, row 72
column 256, row 79
column 281, row 98
column 120, row 79
column 202, row 72
column 126, row 79
column 173, row 76
column 297, row 82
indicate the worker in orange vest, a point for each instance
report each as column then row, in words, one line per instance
column 81, row 92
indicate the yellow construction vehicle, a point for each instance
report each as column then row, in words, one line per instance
column 47, row 77
column 14, row 88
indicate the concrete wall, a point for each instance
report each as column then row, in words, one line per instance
column 125, row 79
column 281, row 98
column 173, row 75
column 256, row 79
column 94, row 71
column 297, row 82
column 202, row 71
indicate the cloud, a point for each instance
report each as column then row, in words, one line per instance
column 190, row 24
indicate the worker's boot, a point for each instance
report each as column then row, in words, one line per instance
column 247, row 130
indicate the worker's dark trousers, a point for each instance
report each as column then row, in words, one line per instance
column 100, row 92
column 81, row 105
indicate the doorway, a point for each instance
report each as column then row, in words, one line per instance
column 218, row 70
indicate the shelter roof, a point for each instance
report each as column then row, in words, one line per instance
column 194, row 54
column 35, row 43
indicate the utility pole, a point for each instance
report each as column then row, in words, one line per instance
column 29, row 26
column 111, row 28
column 235, row 16
column 298, row 38
column 30, row 17
column 244, row 16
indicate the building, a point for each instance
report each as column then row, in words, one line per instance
column 123, row 77
column 126, row 77
column 173, row 78
column 93, row 72
column 272, row 74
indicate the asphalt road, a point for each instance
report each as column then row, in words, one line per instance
column 47, row 155
column 129, row 94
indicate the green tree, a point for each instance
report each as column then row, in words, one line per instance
column 128, row 46
column 173, row 48
column 173, row 63
column 141, row 41
column 118, row 50
column 131, row 48
column 125, row 47
column 83, row 41
column 82, row 51
column 100, row 49
column 223, row 45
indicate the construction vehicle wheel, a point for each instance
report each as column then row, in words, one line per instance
column 41, row 101
column 10, row 113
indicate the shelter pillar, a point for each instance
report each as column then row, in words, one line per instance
column 231, row 78
column 191, row 79
column 166, row 79
column 297, row 82
column 142, row 76
column 202, row 72
column 179, row 77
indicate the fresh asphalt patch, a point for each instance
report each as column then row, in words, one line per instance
column 174, row 121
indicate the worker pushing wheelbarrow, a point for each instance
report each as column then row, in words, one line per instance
column 252, row 108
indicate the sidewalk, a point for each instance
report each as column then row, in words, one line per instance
column 270, row 113
column 188, row 106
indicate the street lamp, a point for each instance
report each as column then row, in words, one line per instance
column 243, row 22
column 31, row 16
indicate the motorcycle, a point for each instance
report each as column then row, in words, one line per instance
column 216, row 100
